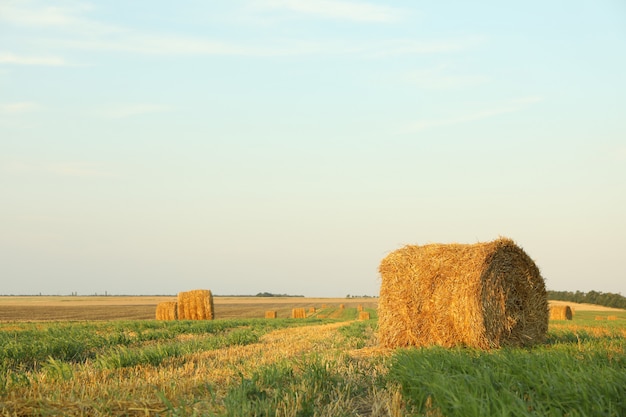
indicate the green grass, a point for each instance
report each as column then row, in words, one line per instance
column 28, row 346
column 566, row 377
column 579, row 371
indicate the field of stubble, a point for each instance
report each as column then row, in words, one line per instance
column 102, row 356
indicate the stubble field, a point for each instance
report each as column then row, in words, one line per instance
column 97, row 356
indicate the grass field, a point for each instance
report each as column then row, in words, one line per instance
column 325, row 365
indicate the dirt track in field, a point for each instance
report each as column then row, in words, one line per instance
column 43, row 308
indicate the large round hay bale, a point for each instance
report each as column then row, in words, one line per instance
column 560, row 312
column 364, row 315
column 483, row 295
column 167, row 310
column 298, row 313
column 195, row 305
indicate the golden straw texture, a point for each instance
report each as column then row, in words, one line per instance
column 298, row 313
column 167, row 310
column 195, row 305
column 271, row 314
column 483, row 295
column 560, row 312
column 364, row 315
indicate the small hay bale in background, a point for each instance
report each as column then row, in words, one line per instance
column 195, row 305
column 167, row 310
column 560, row 312
column 611, row 317
column 312, row 310
column 364, row 315
column 342, row 306
column 482, row 295
column 271, row 314
column 600, row 318
column 359, row 308
column 298, row 313
column 324, row 305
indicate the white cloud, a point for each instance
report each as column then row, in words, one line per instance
column 20, row 107
column 336, row 9
column 130, row 110
column 508, row 107
column 179, row 45
column 439, row 78
column 73, row 30
column 409, row 47
column 10, row 58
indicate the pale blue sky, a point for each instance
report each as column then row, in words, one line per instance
column 150, row 147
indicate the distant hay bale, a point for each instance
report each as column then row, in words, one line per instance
column 167, row 310
column 560, row 312
column 342, row 306
column 324, row 305
column 312, row 310
column 298, row 313
column 195, row 305
column 359, row 308
column 611, row 317
column 271, row 314
column 483, row 295
column 364, row 315
column 600, row 318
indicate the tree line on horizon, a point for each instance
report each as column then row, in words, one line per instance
column 606, row 299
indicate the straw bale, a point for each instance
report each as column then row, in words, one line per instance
column 611, row 317
column 195, row 305
column 312, row 310
column 342, row 306
column 324, row 305
column 359, row 308
column 600, row 318
column 271, row 314
column 364, row 315
column 298, row 313
column 483, row 295
column 167, row 310
column 560, row 312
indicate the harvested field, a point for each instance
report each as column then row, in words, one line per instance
column 46, row 308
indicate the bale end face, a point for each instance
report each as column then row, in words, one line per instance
column 167, row 310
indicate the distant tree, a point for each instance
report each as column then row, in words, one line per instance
column 592, row 297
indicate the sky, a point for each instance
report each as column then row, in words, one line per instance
column 287, row 146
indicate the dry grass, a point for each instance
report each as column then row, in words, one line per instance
column 483, row 295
